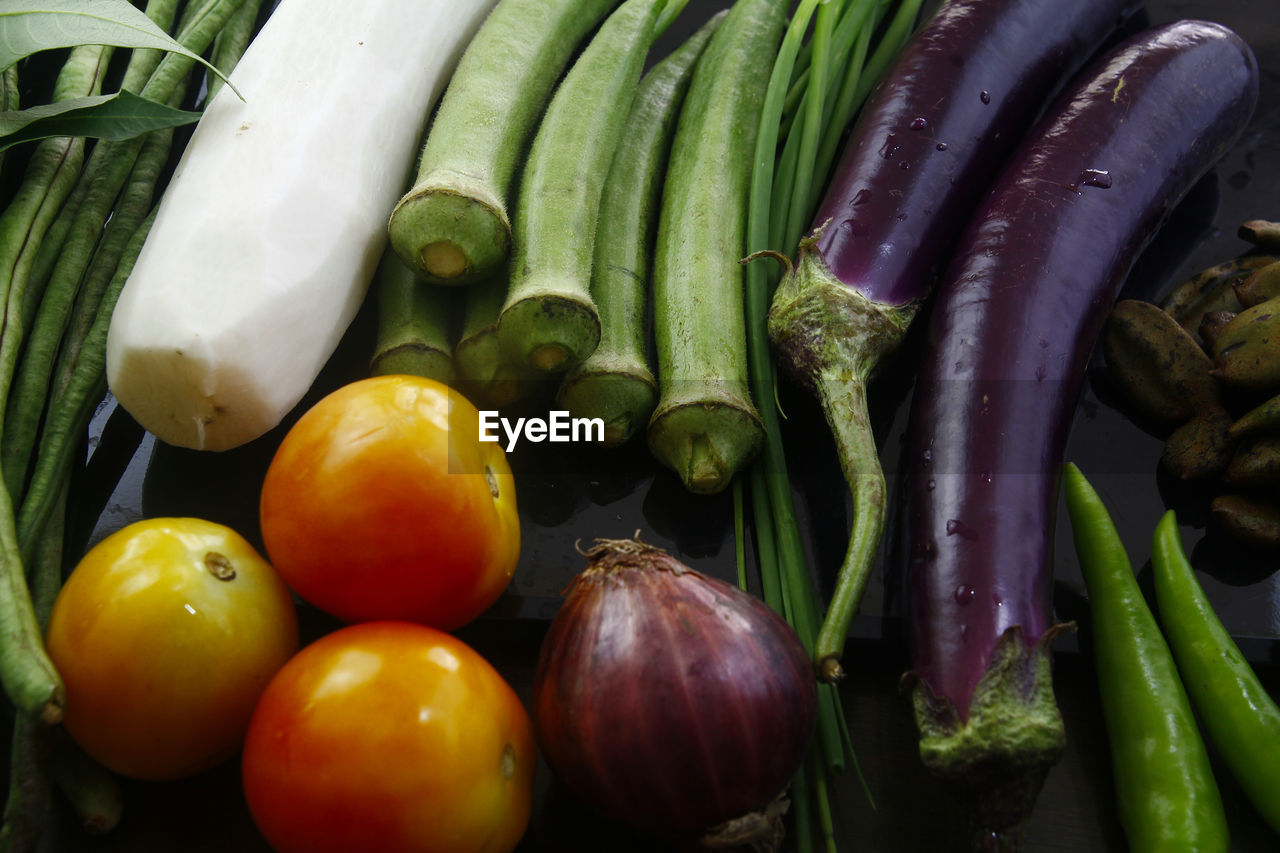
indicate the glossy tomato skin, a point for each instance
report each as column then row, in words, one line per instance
column 382, row 503
column 165, row 634
column 389, row 736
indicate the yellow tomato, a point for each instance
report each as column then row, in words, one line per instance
column 165, row 635
column 382, row 503
column 389, row 736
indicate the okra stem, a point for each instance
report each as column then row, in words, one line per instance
column 453, row 226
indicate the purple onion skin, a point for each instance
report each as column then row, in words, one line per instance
column 932, row 136
column 936, row 131
column 1015, row 320
column 668, row 700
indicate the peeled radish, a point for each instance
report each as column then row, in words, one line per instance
column 271, row 228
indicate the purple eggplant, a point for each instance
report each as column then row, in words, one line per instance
column 933, row 135
column 1011, row 329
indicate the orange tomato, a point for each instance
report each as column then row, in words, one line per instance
column 389, row 736
column 165, row 634
column 382, row 503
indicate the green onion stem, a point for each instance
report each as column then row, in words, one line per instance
column 785, row 189
column 669, row 13
column 739, row 533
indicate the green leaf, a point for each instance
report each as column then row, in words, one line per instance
column 117, row 116
column 30, row 26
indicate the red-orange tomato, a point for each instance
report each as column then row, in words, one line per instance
column 383, row 503
column 394, row 737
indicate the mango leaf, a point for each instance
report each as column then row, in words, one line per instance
column 30, row 26
column 117, row 116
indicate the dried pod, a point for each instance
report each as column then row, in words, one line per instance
column 1200, row 448
column 1247, row 355
column 669, row 700
column 1261, row 233
column 1260, row 285
column 1265, row 416
column 1213, row 323
column 1255, row 462
column 1160, row 370
column 1211, row 289
column 1247, row 519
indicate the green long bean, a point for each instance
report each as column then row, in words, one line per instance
column 84, row 383
column 29, row 392
column 139, row 68
column 109, row 166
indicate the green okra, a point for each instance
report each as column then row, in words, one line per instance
column 412, row 334
column 705, row 426
column 453, row 226
column 482, row 373
column 616, row 383
column 549, row 321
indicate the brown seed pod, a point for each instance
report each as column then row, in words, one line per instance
column 1247, row 519
column 1211, row 289
column 1255, row 462
column 1200, row 448
column 1262, row 233
column 1265, row 416
column 1161, row 371
column 1247, row 355
column 1212, row 324
column 1260, row 285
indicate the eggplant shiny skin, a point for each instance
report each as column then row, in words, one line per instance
column 936, row 130
column 1016, row 317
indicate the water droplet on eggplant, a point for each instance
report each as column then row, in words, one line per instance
column 890, row 148
column 1095, row 178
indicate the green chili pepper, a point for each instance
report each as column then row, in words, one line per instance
column 1166, row 795
column 1241, row 718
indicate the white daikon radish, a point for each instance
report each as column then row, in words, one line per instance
column 268, row 235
